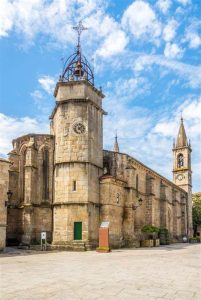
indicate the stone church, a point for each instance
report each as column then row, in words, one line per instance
column 65, row 184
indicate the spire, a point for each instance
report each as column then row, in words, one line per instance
column 116, row 146
column 181, row 137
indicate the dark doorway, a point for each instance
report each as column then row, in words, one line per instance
column 78, row 231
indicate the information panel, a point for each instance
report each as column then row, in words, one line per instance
column 105, row 224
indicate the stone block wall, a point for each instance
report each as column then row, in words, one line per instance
column 4, row 178
column 112, row 203
column 78, row 160
column 70, row 146
column 29, row 211
column 64, row 218
column 161, row 206
column 42, row 222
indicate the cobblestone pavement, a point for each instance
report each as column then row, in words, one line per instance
column 168, row 272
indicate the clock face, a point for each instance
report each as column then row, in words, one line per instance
column 79, row 128
column 180, row 176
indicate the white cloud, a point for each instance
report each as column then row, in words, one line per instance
column 194, row 40
column 169, row 30
column 185, row 71
column 11, row 128
column 52, row 18
column 173, row 51
column 129, row 89
column 192, row 36
column 43, row 95
column 167, row 128
column 141, row 20
column 6, row 17
column 164, row 5
column 115, row 43
column 148, row 135
column 37, row 95
column 47, row 83
column 184, row 2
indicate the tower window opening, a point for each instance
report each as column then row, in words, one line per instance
column 180, row 160
column 74, row 185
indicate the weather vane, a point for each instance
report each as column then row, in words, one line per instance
column 79, row 28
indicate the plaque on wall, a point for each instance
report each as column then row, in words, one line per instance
column 105, row 224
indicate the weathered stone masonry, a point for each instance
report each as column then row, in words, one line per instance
column 64, row 183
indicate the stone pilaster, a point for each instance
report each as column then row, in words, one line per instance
column 163, row 206
column 128, row 222
column 174, row 205
column 149, row 200
column 4, row 179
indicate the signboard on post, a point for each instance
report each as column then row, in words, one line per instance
column 105, row 224
column 104, row 237
column 43, row 235
column 43, row 240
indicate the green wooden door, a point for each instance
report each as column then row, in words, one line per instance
column 78, row 231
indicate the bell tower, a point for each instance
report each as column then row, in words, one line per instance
column 78, row 159
column 182, row 174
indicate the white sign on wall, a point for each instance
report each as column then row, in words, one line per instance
column 105, row 224
column 43, row 235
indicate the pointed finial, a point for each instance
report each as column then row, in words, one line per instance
column 116, row 145
column 181, row 117
column 189, row 143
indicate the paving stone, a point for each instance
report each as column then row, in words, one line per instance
column 170, row 273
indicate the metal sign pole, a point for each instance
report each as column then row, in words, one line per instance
column 43, row 241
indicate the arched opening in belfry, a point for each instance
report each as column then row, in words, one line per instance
column 180, row 160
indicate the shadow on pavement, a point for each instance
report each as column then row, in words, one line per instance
column 170, row 247
column 14, row 251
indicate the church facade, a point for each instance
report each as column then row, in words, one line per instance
column 65, row 184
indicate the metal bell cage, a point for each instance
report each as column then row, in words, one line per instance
column 77, row 68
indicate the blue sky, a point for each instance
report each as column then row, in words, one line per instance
column 146, row 57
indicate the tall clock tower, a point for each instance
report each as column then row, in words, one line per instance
column 78, row 160
column 182, row 174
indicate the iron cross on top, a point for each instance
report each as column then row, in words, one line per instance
column 79, row 28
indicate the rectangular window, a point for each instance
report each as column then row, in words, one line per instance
column 77, row 231
column 74, row 185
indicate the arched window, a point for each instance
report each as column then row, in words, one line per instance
column 137, row 185
column 180, row 160
column 45, row 171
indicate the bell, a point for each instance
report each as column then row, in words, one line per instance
column 78, row 69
